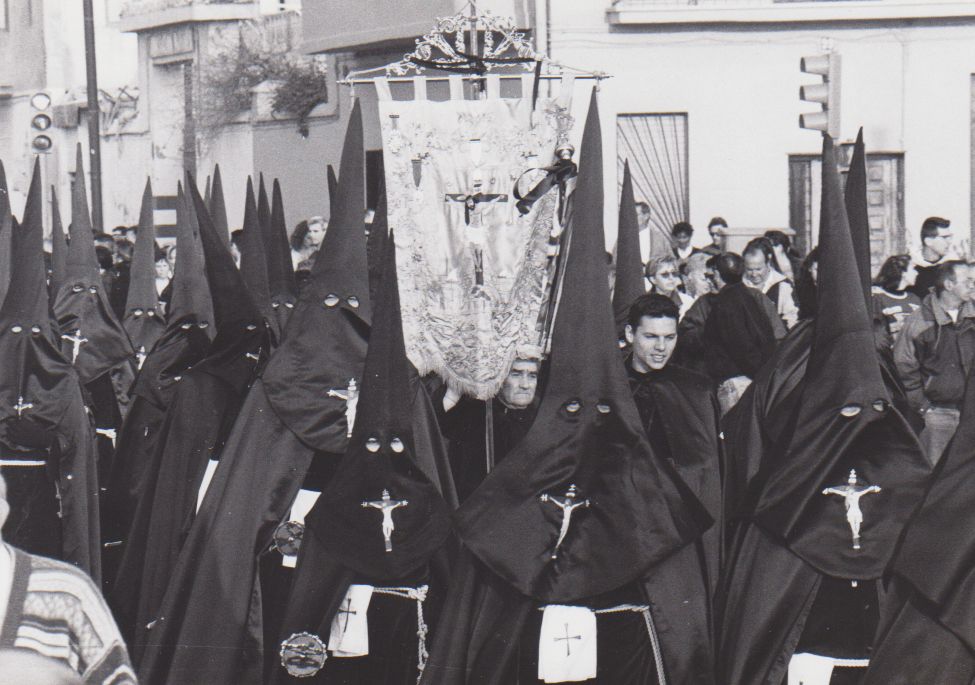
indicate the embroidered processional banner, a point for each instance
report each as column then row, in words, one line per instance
column 473, row 270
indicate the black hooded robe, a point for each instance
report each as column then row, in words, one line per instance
column 228, row 587
column 795, row 583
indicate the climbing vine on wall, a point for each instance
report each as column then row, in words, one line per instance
column 229, row 76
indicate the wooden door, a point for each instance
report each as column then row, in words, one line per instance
column 885, row 203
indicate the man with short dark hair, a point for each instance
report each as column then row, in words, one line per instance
column 678, row 409
column 717, row 228
column 935, row 249
column 759, row 274
column 681, row 234
column 934, row 352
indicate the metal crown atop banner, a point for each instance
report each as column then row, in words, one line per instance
column 472, row 44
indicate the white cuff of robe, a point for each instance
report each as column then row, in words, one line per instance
column 813, row 669
column 567, row 644
column 349, row 636
column 304, row 501
column 205, row 484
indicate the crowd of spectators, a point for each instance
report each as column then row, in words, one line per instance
column 733, row 308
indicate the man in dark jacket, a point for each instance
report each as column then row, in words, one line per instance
column 738, row 334
column 934, row 353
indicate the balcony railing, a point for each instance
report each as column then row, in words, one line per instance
column 133, row 7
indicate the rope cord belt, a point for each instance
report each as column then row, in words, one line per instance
column 418, row 594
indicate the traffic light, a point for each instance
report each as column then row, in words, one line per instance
column 40, row 123
column 826, row 93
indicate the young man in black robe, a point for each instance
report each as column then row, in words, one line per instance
column 222, row 609
column 679, row 411
column 47, row 448
column 577, row 561
column 372, row 568
column 829, row 500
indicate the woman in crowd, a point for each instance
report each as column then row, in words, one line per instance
column 664, row 276
column 785, row 258
column 305, row 241
column 892, row 302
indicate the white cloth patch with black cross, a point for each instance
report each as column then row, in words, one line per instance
column 567, row 644
column 349, row 636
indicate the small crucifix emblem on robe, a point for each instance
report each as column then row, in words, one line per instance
column 350, row 396
column 851, row 495
column 567, row 504
column 386, row 506
column 140, row 356
column 21, row 406
column 77, row 340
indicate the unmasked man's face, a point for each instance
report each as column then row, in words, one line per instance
column 653, row 342
column 756, row 268
column 520, row 384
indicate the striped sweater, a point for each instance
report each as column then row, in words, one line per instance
column 55, row 610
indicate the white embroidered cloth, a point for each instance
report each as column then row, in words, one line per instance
column 349, row 636
column 567, row 644
column 473, row 272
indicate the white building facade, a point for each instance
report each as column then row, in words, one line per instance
column 705, row 94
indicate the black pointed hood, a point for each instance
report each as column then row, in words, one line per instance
column 856, row 211
column 253, row 261
column 191, row 301
column 332, row 182
column 6, row 227
column 382, row 458
column 232, row 301
column 143, row 319
column 218, row 207
column 189, row 320
column 280, row 270
column 240, row 327
column 263, row 206
column 629, row 268
column 325, row 345
column 59, row 247
column 587, row 434
column 845, row 421
column 26, row 303
column 34, row 368
column 92, row 337
column 81, row 262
